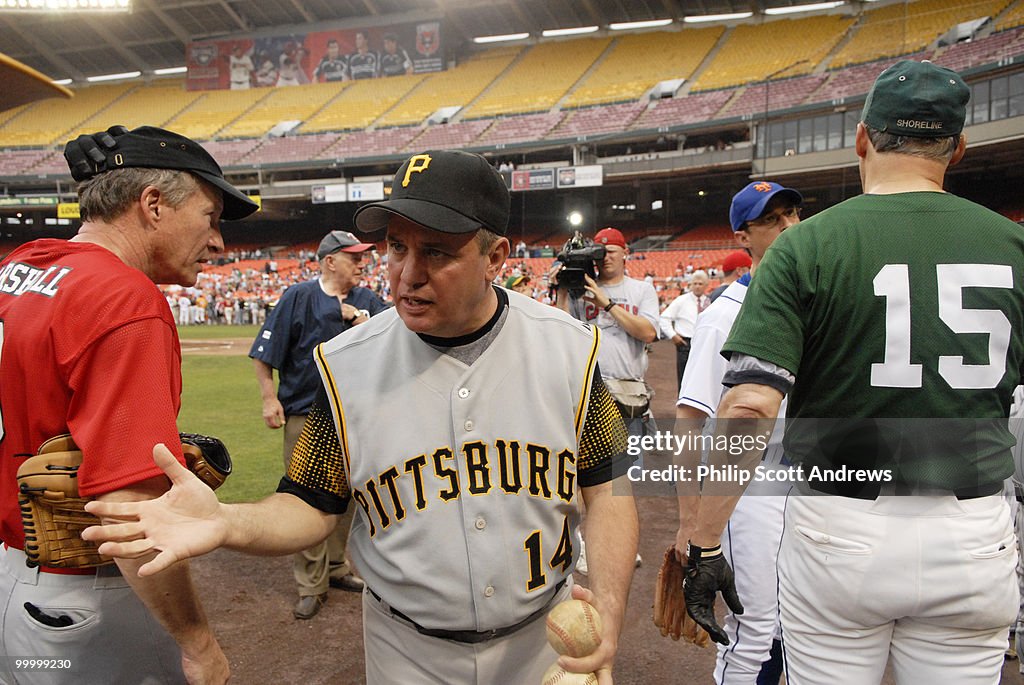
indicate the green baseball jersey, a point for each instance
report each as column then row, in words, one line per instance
column 903, row 306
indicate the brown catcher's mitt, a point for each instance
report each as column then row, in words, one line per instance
column 670, row 605
column 53, row 513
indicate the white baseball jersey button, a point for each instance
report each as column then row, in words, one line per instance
column 481, row 523
column 488, row 591
column 463, row 393
column 469, row 425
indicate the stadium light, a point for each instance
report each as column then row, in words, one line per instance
column 170, row 70
column 63, row 82
column 46, row 6
column 575, row 219
column 114, row 77
column 501, row 38
column 803, row 8
column 630, row 25
column 551, row 33
column 699, row 18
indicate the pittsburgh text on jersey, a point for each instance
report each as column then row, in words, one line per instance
column 475, row 468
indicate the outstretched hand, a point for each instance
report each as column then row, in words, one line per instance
column 186, row 521
column 600, row 662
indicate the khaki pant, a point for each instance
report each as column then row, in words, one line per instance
column 314, row 567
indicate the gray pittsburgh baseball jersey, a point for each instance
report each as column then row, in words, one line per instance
column 466, row 475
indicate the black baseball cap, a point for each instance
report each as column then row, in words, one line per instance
column 444, row 190
column 154, row 148
column 917, row 99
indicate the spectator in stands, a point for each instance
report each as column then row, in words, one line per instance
column 240, row 68
column 521, row 249
column 308, row 314
column 333, row 65
column 363, row 63
column 680, row 317
column 734, row 265
column 394, row 61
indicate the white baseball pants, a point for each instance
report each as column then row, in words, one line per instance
column 928, row 582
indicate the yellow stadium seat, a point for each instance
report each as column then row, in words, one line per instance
column 50, row 121
column 152, row 105
column 361, row 103
column 215, row 110
column 780, row 49
column 541, row 78
column 639, row 61
column 285, row 103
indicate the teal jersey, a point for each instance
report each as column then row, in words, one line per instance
column 894, row 307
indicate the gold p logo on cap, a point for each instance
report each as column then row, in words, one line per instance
column 417, row 163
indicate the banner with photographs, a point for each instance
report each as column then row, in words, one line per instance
column 322, row 56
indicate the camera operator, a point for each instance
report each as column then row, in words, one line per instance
column 624, row 308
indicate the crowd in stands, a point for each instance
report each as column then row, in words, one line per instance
column 241, row 286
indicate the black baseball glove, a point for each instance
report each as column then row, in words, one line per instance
column 87, row 154
column 707, row 573
column 207, row 457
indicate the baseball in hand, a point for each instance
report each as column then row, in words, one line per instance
column 574, row 628
column 556, row 675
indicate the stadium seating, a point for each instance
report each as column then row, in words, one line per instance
column 454, row 87
column 383, row 141
column 638, row 61
column 361, row 103
column 853, row 81
column 289, row 149
column 215, row 110
column 780, row 48
column 282, row 104
column 148, row 105
column 449, row 135
column 19, row 162
column 1013, row 17
column 230, row 152
column 903, row 28
column 597, row 120
column 683, row 110
column 986, row 50
column 517, row 129
column 781, row 94
column 541, row 78
column 49, row 121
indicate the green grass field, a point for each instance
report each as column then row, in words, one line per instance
column 221, row 398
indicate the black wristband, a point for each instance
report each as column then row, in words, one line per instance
column 608, row 307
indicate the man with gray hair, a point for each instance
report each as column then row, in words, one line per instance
column 90, row 350
column 680, row 317
column 899, row 338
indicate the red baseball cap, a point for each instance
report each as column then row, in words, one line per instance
column 735, row 260
column 610, row 236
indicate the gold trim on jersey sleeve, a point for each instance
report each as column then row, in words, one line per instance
column 335, row 399
column 588, row 377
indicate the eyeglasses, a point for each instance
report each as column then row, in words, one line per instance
column 775, row 218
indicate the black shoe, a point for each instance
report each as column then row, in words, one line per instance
column 348, row 582
column 309, row 606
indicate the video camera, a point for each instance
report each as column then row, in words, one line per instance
column 579, row 257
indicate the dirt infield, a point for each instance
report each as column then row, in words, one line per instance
column 249, row 600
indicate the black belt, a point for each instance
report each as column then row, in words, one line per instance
column 871, row 491
column 469, row 637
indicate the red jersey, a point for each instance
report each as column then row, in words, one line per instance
column 88, row 347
